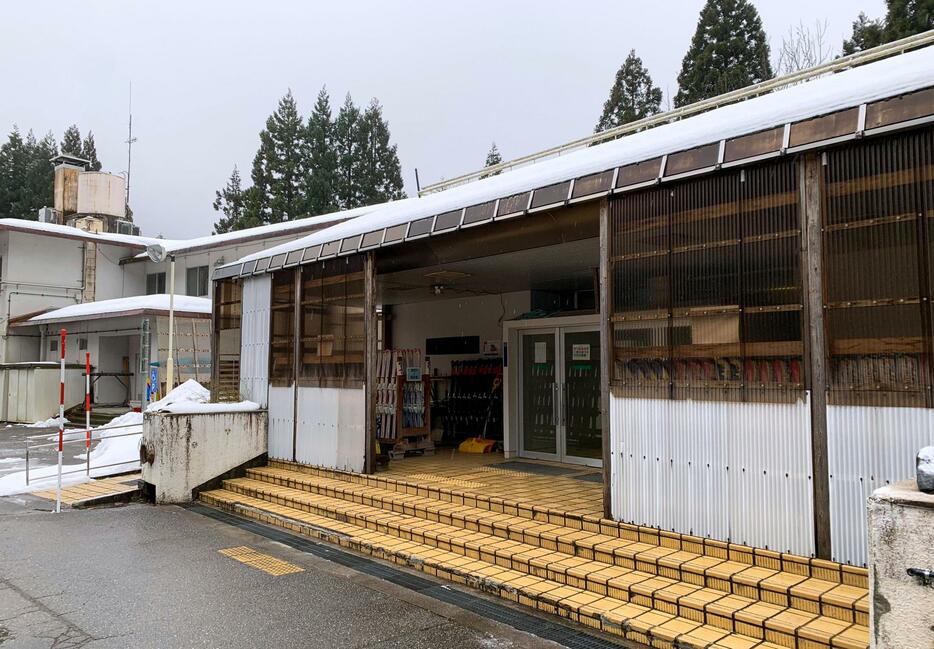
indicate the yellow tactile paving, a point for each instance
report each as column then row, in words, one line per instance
column 79, row 493
column 268, row 564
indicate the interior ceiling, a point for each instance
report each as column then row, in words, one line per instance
column 560, row 267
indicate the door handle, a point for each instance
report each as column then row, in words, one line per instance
column 555, row 407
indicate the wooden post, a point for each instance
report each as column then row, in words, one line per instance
column 296, row 354
column 370, row 355
column 606, row 352
column 810, row 186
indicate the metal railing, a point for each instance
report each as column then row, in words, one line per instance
column 80, row 436
column 837, row 65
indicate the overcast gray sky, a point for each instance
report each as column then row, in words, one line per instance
column 452, row 77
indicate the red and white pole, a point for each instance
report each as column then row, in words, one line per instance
column 87, row 409
column 61, row 424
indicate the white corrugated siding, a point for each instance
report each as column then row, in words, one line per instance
column 254, row 339
column 731, row 471
column 868, row 447
column 281, row 422
column 331, row 428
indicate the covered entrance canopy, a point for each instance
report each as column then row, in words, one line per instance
column 721, row 241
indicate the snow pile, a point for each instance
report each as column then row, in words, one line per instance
column 191, row 398
column 117, row 449
column 190, row 391
column 51, row 422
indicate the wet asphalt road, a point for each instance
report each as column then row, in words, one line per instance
column 146, row 576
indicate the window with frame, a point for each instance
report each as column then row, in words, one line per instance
column 196, row 281
column 228, row 307
column 706, row 288
column 155, row 283
column 333, row 336
column 282, row 328
column 878, row 224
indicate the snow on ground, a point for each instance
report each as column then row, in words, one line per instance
column 117, row 442
column 42, row 477
column 51, row 422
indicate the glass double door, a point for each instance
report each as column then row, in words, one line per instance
column 560, row 416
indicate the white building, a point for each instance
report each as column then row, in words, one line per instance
column 51, row 267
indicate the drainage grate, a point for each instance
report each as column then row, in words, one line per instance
column 537, row 626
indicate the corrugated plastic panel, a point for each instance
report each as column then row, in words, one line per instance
column 254, row 339
column 281, row 422
column 731, row 471
column 331, row 428
column 868, row 447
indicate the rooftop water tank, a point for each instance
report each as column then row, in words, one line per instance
column 101, row 193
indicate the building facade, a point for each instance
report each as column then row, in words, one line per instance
column 730, row 313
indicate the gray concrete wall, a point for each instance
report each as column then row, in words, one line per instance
column 901, row 536
column 182, row 452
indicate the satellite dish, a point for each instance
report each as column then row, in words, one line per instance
column 156, row 252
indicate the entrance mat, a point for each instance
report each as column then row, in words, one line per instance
column 589, row 477
column 531, row 467
column 549, row 630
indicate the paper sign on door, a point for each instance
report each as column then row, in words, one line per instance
column 580, row 352
column 541, row 352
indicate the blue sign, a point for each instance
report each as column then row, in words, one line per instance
column 152, row 386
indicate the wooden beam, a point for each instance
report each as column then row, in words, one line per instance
column 606, row 348
column 369, row 384
column 810, row 189
column 296, row 353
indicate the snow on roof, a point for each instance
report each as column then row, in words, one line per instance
column 56, row 230
column 123, row 306
column 261, row 231
column 886, row 78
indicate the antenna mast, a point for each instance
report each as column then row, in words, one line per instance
column 129, row 146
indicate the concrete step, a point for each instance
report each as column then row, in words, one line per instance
column 449, row 491
column 627, row 619
column 734, row 613
column 630, row 552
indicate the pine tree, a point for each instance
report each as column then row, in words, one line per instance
column 89, row 152
column 26, row 175
column 347, row 153
column 866, row 34
column 379, row 173
column 905, row 18
column 632, row 97
column 71, row 142
column 14, row 163
column 286, row 164
column 256, row 199
column 729, row 51
column 493, row 157
column 40, row 175
column 320, row 180
column 230, row 201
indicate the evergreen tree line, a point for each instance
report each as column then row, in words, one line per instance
column 315, row 166
column 730, row 50
column 26, row 175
